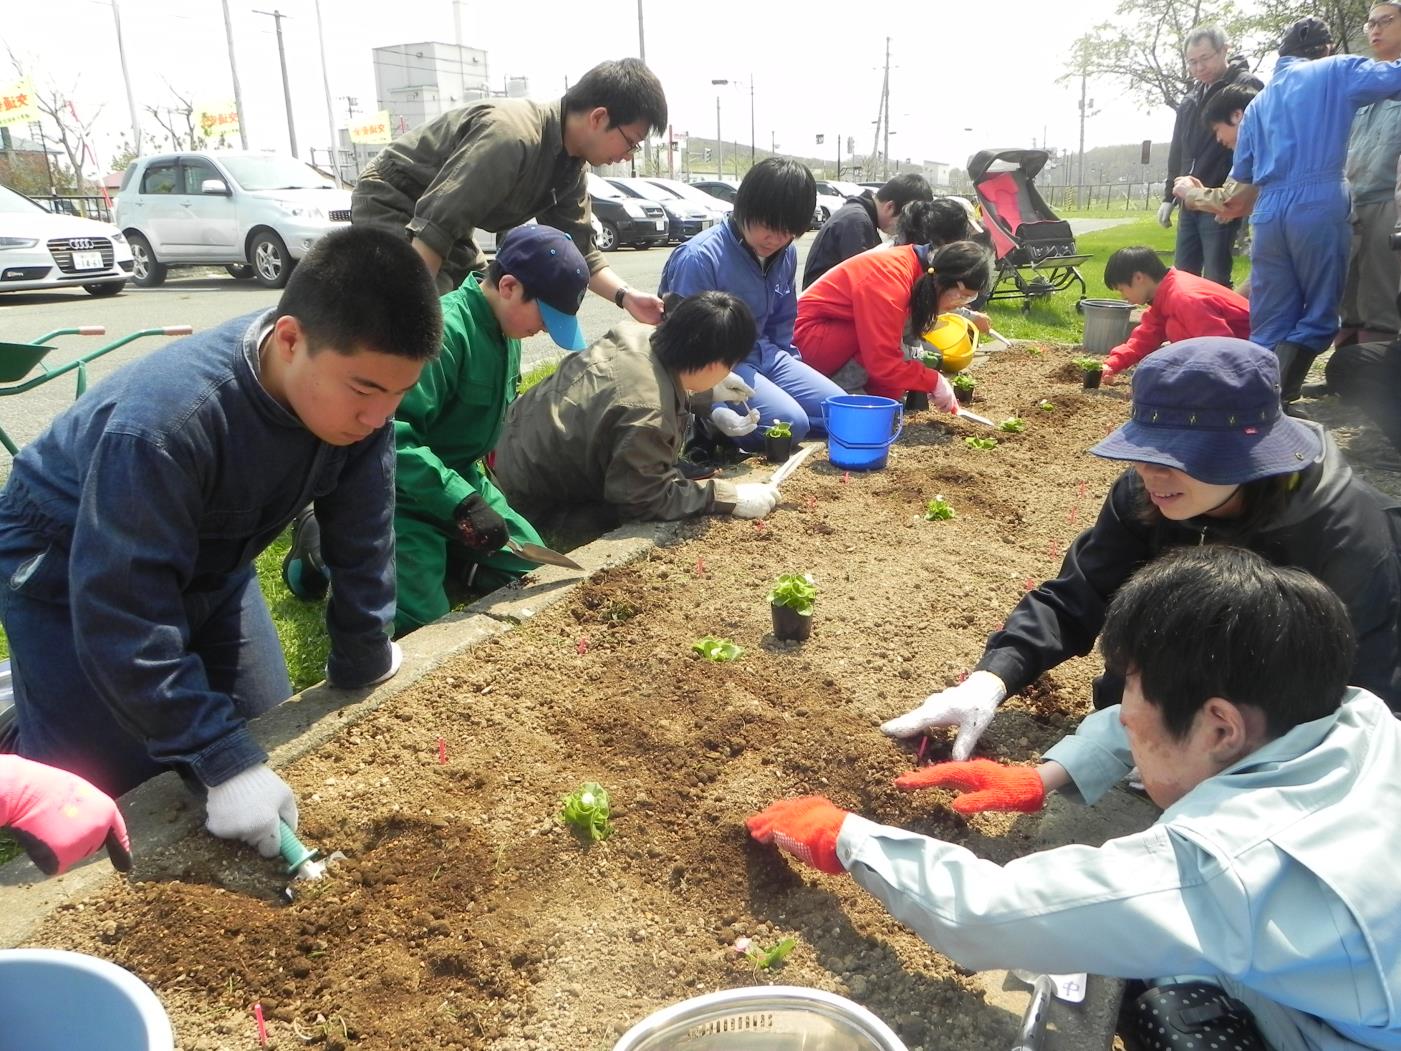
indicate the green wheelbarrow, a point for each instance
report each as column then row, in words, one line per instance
column 18, row 362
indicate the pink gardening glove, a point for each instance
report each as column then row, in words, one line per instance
column 59, row 818
column 942, row 396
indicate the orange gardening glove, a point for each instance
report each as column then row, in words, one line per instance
column 996, row 787
column 806, row 827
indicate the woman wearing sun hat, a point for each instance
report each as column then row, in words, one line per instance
column 1214, row 460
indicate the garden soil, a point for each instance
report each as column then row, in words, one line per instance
column 467, row 916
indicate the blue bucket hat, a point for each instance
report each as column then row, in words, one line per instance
column 552, row 269
column 1210, row 407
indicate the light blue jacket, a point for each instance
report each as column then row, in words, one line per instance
column 718, row 259
column 1293, row 139
column 1277, row 877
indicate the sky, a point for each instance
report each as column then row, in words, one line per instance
column 957, row 85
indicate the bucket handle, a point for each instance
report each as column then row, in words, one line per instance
column 899, row 430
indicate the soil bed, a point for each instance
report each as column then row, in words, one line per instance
column 468, row 917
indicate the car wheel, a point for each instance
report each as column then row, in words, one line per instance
column 242, row 271
column 825, row 214
column 107, row 288
column 608, row 239
column 146, row 271
column 271, row 263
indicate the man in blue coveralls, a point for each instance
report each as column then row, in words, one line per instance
column 1291, row 151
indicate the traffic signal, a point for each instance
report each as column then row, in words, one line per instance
column 707, row 153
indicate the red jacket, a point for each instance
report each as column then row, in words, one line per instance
column 858, row 310
column 1184, row 306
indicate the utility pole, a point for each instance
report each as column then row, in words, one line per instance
column 1084, row 82
column 885, row 97
column 642, row 54
column 719, row 144
column 126, row 76
column 277, row 17
column 751, row 116
column 233, row 68
column 882, row 111
column 457, row 23
column 326, row 87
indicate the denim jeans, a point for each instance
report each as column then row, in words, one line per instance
column 1204, row 245
column 63, row 719
column 785, row 388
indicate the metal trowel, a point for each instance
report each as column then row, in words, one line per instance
column 1067, row 987
column 964, row 414
column 303, row 863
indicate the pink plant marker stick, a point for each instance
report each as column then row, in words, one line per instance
column 442, row 750
column 700, row 567
column 923, row 747
column 262, row 1026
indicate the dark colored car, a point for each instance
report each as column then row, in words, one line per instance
column 685, row 219
column 726, row 189
column 625, row 220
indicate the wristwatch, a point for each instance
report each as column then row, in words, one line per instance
column 618, row 296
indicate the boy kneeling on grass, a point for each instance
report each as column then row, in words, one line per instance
column 1263, row 901
column 139, row 638
column 1182, row 305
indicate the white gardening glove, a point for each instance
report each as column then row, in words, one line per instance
column 732, row 424
column 754, row 499
column 732, row 388
column 969, row 706
column 247, row 807
column 396, row 658
column 942, row 396
column 1165, row 213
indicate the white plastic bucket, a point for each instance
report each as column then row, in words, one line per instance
column 1107, row 324
column 53, row 1000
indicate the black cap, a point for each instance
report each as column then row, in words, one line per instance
column 1305, row 37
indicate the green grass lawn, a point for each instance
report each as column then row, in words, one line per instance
column 1054, row 318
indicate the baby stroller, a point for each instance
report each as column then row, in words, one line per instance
column 1035, row 248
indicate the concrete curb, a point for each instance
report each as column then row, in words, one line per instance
column 160, row 813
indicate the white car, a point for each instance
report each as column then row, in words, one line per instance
column 721, row 209
column 255, row 214
column 832, row 194
column 40, row 250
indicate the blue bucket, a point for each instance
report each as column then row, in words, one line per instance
column 53, row 1000
column 860, row 429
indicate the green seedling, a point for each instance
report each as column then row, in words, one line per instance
column 1088, row 364
column 980, row 443
column 1012, row 425
column 779, row 429
column 1045, row 406
column 796, row 591
column 938, row 510
column 963, row 382
column 767, row 959
column 587, row 811
column 718, row 650
column 1032, row 349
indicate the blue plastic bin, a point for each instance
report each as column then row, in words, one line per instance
column 860, row 430
column 52, row 1000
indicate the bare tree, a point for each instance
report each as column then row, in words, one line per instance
column 178, row 122
column 73, row 131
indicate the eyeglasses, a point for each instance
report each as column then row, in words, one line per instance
column 633, row 147
column 1197, row 62
column 1378, row 23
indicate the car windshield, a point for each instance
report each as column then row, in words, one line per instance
column 12, row 203
column 643, row 188
column 680, row 189
column 600, row 187
column 275, row 173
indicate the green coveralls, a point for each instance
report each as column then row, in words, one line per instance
column 444, row 426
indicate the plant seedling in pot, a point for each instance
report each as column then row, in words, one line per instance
column 938, row 510
column 717, row 650
column 1093, row 369
column 963, row 385
column 790, row 601
column 1012, row 425
column 586, row 810
column 778, row 441
column 980, row 443
column 916, row 401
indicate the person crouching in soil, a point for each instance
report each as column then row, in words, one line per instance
column 1268, row 879
column 607, row 427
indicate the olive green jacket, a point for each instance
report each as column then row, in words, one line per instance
column 606, row 427
column 494, row 164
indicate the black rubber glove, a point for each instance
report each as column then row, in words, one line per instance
column 478, row 526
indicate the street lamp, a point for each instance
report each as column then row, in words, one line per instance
column 722, row 83
column 719, row 142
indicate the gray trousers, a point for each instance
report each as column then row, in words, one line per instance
column 375, row 202
column 1374, row 272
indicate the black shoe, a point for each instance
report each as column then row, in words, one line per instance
column 1297, row 411
column 303, row 570
column 1315, row 390
column 697, row 472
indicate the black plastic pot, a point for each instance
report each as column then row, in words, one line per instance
column 916, row 400
column 778, row 450
column 790, row 624
column 1092, row 379
column 965, row 397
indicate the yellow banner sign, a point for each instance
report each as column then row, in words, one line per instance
column 217, row 120
column 17, row 104
column 373, row 130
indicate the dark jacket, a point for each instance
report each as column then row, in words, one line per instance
column 850, row 231
column 1194, row 149
column 1334, row 526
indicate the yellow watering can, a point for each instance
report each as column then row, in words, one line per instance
column 951, row 340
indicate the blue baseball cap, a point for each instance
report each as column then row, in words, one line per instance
column 1209, row 406
column 552, row 269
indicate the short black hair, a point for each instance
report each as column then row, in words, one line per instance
column 934, row 223
column 626, row 88
column 1220, row 621
column 703, row 330
column 1136, row 259
column 495, row 272
column 965, row 263
column 904, row 188
column 779, row 193
column 1231, row 99
column 365, row 288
